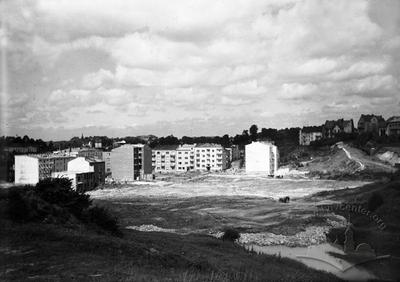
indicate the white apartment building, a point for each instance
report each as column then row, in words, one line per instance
column 29, row 169
column 185, row 157
column 164, row 158
column 210, row 157
column 262, row 157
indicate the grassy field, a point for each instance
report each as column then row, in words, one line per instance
column 43, row 252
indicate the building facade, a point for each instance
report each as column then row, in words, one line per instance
column 393, row 126
column 81, row 181
column 29, row 169
column 164, row 158
column 262, row 157
column 309, row 134
column 131, row 162
column 96, row 166
column 91, row 153
column 211, row 157
column 106, row 157
column 371, row 123
column 185, row 157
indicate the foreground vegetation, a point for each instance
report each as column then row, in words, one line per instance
column 58, row 236
column 380, row 228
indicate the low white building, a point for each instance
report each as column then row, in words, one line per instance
column 81, row 181
column 262, row 157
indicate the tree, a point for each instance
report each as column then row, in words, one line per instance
column 253, row 132
column 225, row 141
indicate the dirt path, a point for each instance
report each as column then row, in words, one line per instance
column 362, row 166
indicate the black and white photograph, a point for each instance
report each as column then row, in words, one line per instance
column 200, row 140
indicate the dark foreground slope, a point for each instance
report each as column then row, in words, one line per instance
column 50, row 253
column 52, row 245
column 374, row 212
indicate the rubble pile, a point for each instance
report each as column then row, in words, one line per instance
column 150, row 228
column 311, row 236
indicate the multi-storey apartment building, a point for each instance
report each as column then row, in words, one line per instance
column 185, row 157
column 309, row 134
column 164, row 158
column 90, row 153
column 262, row 157
column 210, row 157
column 131, row 162
column 29, row 169
column 106, row 156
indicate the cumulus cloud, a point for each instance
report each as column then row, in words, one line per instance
column 152, row 63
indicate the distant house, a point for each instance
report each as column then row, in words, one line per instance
column 164, row 158
column 309, row 134
column 332, row 128
column 372, row 123
column 131, row 162
column 262, row 157
column 393, row 126
column 98, row 144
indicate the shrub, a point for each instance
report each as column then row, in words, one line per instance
column 59, row 191
column 102, row 218
column 375, row 201
column 17, row 207
column 54, row 201
column 231, row 235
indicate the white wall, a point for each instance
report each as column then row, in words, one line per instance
column 26, row 170
column 258, row 158
column 80, row 164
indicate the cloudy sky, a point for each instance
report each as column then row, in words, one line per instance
column 117, row 68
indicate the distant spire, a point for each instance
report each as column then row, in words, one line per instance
column 82, row 137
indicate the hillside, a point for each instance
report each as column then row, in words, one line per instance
column 342, row 160
column 49, row 241
column 380, row 229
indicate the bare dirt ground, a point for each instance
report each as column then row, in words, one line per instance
column 209, row 203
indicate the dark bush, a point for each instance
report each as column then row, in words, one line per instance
column 284, row 199
column 103, row 218
column 17, row 207
column 374, row 201
column 59, row 191
column 54, row 201
column 231, row 235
